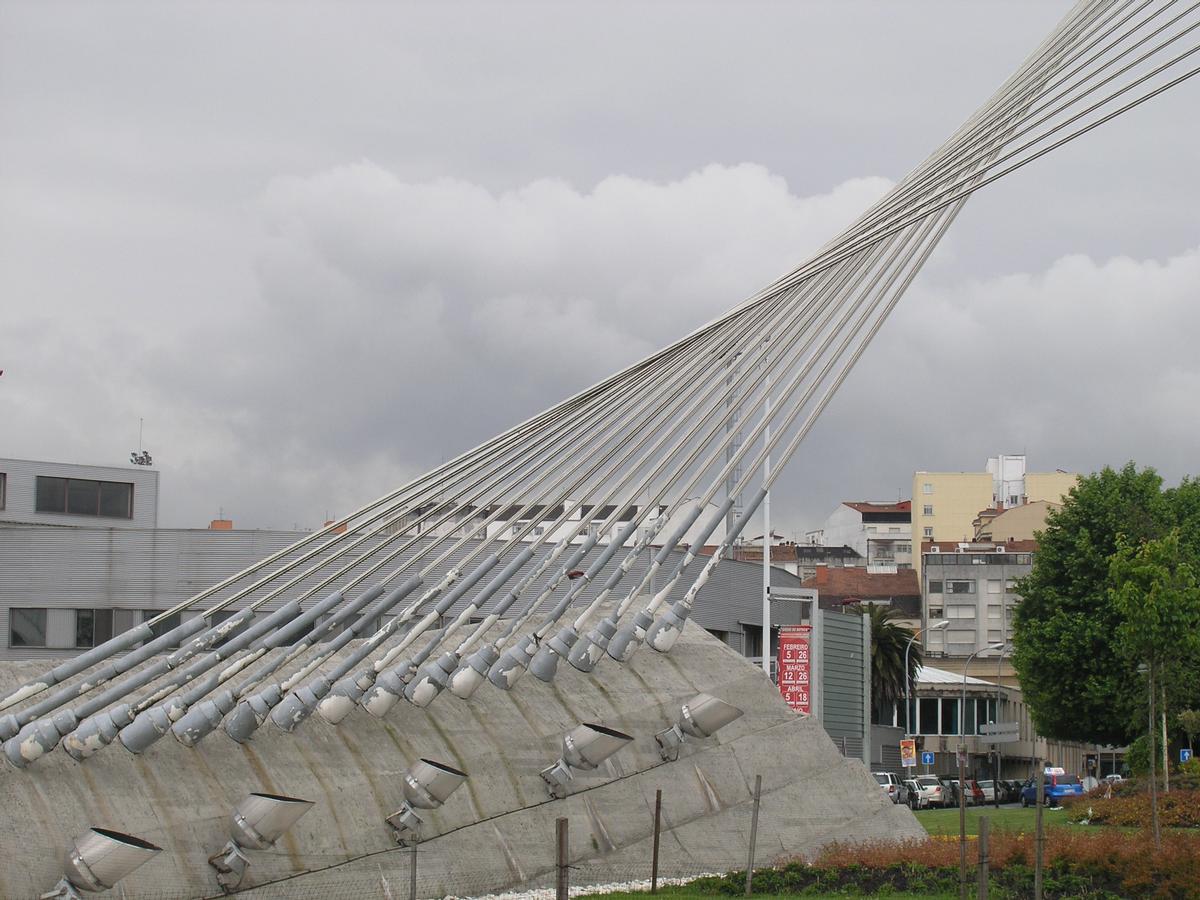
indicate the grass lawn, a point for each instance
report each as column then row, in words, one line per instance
column 945, row 821
column 680, row 892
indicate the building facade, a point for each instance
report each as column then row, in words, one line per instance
column 973, row 587
column 879, row 532
column 946, row 505
column 939, row 720
column 67, row 494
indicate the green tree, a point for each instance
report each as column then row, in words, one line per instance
column 1155, row 589
column 888, row 642
column 1074, row 677
column 1189, row 723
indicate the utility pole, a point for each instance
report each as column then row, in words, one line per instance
column 766, row 572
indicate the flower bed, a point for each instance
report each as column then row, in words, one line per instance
column 1178, row 809
column 1079, row 863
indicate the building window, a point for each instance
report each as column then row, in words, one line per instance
column 960, row 612
column 927, row 712
column 3, row 486
column 93, row 627
column 927, row 488
column 994, row 586
column 1011, row 587
column 161, row 628
column 964, row 586
column 929, row 531
column 83, row 497
column 27, row 628
column 895, row 530
column 904, row 548
column 1024, row 559
column 935, row 587
column 993, row 610
column 927, row 509
column 949, row 716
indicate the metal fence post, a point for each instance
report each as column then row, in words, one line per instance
column 753, row 833
column 962, row 824
column 560, row 887
column 412, row 871
column 657, row 829
column 1040, row 835
column 983, row 858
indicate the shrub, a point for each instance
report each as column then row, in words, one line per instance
column 1079, row 863
column 1131, row 808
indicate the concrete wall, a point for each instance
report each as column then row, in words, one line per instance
column 494, row 833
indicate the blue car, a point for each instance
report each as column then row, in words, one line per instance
column 1059, row 786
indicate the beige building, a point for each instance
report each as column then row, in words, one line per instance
column 946, row 505
column 1020, row 523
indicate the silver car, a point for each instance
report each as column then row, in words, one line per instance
column 925, row 791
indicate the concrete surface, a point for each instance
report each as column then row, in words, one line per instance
column 495, row 833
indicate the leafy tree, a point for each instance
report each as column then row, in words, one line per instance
column 1074, row 677
column 1137, row 757
column 888, row 642
column 1155, row 589
column 1189, row 723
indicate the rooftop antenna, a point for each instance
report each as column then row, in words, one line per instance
column 141, row 456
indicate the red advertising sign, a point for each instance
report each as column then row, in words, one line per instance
column 795, row 656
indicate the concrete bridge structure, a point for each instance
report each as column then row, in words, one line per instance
column 498, row 831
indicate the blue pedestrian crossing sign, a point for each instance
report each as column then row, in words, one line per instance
column 1184, row 754
column 927, row 758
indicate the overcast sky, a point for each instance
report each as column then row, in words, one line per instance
column 321, row 247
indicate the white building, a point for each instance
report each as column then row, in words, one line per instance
column 48, row 493
column 880, row 532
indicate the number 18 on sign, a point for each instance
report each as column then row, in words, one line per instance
column 795, row 651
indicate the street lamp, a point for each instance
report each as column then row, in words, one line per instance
column 907, row 680
column 962, row 710
column 962, row 775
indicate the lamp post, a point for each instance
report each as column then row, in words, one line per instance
column 996, row 770
column 962, row 778
column 907, row 680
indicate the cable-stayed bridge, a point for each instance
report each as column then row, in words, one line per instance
column 508, row 568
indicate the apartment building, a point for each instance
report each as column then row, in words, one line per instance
column 946, row 505
column 880, row 532
column 973, row 586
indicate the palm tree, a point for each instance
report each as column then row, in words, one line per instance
column 888, row 643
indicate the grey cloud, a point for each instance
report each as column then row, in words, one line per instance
column 323, row 247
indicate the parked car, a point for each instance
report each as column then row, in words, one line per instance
column 988, row 788
column 1059, row 786
column 949, row 790
column 925, row 791
column 1113, row 778
column 896, row 791
column 1012, row 790
column 974, row 794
